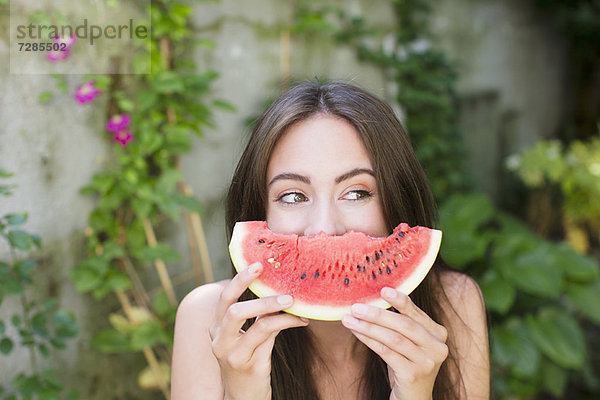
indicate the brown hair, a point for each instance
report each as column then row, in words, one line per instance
column 405, row 196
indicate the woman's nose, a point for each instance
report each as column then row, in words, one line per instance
column 325, row 218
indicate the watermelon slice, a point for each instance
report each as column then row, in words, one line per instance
column 327, row 274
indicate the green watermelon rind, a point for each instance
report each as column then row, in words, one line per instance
column 325, row 312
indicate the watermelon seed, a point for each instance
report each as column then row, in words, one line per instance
column 302, row 276
column 388, row 270
column 401, row 234
column 271, row 260
column 317, row 274
column 376, row 256
column 373, row 275
column 346, row 281
column 368, row 259
column 277, row 264
column 397, row 240
column 380, row 271
column 261, row 240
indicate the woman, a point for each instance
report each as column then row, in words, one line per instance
column 331, row 158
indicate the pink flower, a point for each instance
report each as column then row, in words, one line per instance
column 123, row 136
column 56, row 55
column 62, row 53
column 118, row 122
column 86, row 92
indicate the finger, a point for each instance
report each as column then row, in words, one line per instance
column 232, row 292
column 404, row 305
column 239, row 312
column 384, row 340
column 395, row 322
column 259, row 338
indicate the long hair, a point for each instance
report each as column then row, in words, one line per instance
column 405, row 196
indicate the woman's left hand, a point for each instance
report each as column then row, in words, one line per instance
column 410, row 342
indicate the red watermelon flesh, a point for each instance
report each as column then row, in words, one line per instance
column 327, row 274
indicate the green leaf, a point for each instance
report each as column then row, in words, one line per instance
column 163, row 307
column 461, row 216
column 554, row 378
column 85, row 279
column 37, row 240
column 11, row 285
column 6, row 346
column 585, row 297
column 499, row 295
column 167, row 82
column 224, row 105
column 5, row 174
column 44, row 350
column 559, row 336
column 111, row 341
column 535, row 272
column 65, row 322
column 160, row 251
column 513, row 347
column 126, row 105
column 190, row 203
column 44, row 97
column 16, row 218
column 24, row 268
column 103, row 182
column 19, row 239
column 577, row 267
column 38, row 324
column 178, row 138
column 148, row 334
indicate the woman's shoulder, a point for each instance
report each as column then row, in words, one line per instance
column 202, row 300
column 461, row 290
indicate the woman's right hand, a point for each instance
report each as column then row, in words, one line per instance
column 245, row 357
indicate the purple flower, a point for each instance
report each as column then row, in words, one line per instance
column 86, row 92
column 118, row 122
column 62, row 53
column 123, row 136
column 56, row 55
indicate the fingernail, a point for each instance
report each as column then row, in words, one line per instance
column 349, row 320
column 284, row 299
column 359, row 309
column 305, row 320
column 255, row 268
column 389, row 292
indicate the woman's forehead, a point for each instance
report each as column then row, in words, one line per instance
column 320, row 142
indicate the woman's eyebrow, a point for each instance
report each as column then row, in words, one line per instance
column 354, row 172
column 305, row 179
column 290, row 176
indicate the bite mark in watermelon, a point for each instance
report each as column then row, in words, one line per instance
column 327, row 274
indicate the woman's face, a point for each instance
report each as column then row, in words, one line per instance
column 320, row 178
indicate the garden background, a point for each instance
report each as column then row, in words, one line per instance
column 115, row 159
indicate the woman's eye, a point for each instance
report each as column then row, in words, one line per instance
column 294, row 197
column 357, row 195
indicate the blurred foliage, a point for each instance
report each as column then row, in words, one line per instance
column 39, row 326
column 541, row 295
column 575, row 170
column 168, row 108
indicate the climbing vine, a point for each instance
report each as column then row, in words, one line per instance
column 152, row 119
column 40, row 326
